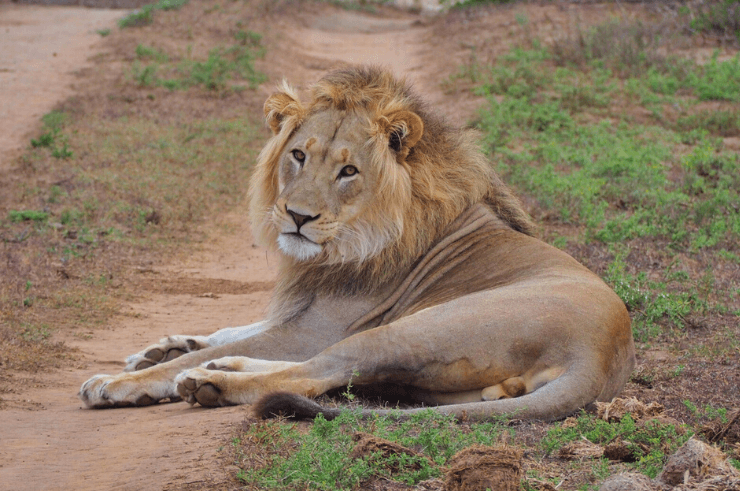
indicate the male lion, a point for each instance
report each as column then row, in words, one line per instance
column 404, row 261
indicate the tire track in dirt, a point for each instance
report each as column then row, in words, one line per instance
column 49, row 441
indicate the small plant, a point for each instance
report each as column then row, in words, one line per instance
column 103, row 32
column 62, row 153
column 53, row 123
column 650, row 443
column 36, row 333
column 147, row 52
column 348, row 391
column 27, row 216
column 144, row 75
column 145, row 14
column 45, row 140
column 248, row 38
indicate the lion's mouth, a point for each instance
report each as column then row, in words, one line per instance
column 299, row 236
column 297, row 245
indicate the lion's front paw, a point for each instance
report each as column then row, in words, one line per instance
column 203, row 386
column 104, row 391
column 214, row 388
column 167, row 349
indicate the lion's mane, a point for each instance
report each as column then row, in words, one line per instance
column 422, row 188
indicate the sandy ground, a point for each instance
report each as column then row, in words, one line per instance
column 40, row 49
column 48, row 440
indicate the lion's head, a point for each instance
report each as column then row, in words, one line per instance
column 362, row 177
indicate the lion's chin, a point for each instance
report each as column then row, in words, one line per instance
column 298, row 246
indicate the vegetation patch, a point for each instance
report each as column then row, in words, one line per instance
column 646, row 446
column 153, row 67
column 279, row 455
column 145, row 14
column 562, row 131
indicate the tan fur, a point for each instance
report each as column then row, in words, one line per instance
column 404, row 257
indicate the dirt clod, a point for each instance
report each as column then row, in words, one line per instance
column 629, row 481
column 618, row 408
column 369, row 446
column 581, row 450
column 619, row 451
column 479, row 467
column 696, row 461
column 729, row 431
column 721, row 483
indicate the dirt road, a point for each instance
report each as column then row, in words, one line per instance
column 40, row 49
column 48, row 440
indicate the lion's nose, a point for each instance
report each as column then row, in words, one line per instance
column 300, row 219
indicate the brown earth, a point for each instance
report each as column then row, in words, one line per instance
column 49, row 441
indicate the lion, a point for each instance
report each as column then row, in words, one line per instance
column 404, row 261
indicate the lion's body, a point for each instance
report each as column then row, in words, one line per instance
column 404, row 260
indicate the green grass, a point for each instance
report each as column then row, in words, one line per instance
column 612, row 176
column 135, row 181
column 650, row 444
column 655, row 304
column 722, row 122
column 559, row 124
column 149, row 167
column 145, row 14
column 280, row 455
column 27, row 216
column 223, row 69
column 320, row 458
column 52, row 137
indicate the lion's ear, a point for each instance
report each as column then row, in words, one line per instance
column 404, row 131
column 280, row 106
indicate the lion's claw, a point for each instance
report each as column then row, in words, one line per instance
column 107, row 391
column 202, row 386
column 166, row 350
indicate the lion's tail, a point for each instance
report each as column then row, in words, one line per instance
column 556, row 399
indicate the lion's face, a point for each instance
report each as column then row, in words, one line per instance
column 332, row 185
column 327, row 181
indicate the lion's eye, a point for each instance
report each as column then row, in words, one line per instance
column 348, row 170
column 299, row 156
